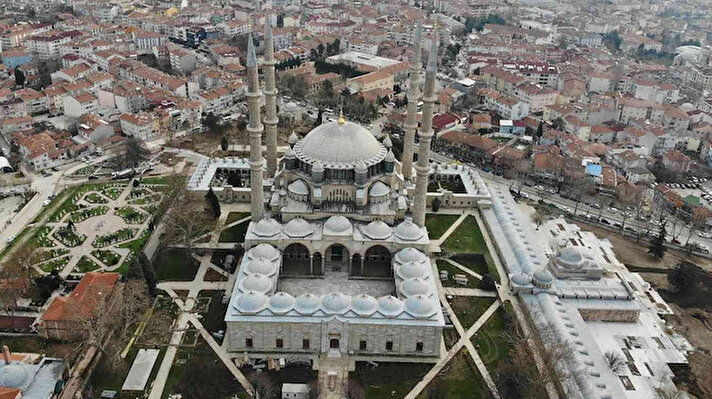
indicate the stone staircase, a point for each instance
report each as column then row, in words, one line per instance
column 333, row 375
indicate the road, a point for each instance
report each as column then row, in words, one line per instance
column 570, row 206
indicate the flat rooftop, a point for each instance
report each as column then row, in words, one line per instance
column 335, row 282
column 362, row 58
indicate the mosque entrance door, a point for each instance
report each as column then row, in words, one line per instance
column 337, row 258
column 334, row 343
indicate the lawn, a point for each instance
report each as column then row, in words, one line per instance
column 461, row 380
column 235, row 233
column 388, row 380
column 491, row 340
column 235, row 216
column 175, row 264
column 137, row 245
column 472, row 282
column 113, row 192
column 155, row 180
column 51, row 254
column 85, row 265
column 112, row 238
column 69, row 237
column 41, row 240
column 469, row 308
column 438, row 224
column 109, row 258
column 94, row 198
column 58, row 264
column 86, row 213
column 466, row 238
column 66, row 194
column 130, row 215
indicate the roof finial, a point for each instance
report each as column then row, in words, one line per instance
column 341, row 120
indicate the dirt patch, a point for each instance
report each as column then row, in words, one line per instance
column 212, row 275
column 696, row 325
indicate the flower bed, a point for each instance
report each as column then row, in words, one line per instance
column 112, row 238
column 51, row 254
column 86, row 265
column 69, row 237
column 86, row 213
column 131, row 215
column 41, row 239
column 95, row 198
column 57, row 264
column 108, row 258
column 113, row 192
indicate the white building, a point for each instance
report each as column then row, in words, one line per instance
column 78, row 105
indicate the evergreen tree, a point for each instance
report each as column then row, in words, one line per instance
column 134, row 271
column 657, row 245
column 435, row 204
column 223, row 143
column 539, row 132
column 213, row 202
column 148, row 273
column 19, row 77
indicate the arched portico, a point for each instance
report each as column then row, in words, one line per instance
column 376, row 262
column 296, row 260
column 336, row 258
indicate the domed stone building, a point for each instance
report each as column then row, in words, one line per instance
column 336, row 261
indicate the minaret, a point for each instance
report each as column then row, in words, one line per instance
column 413, row 96
column 254, row 127
column 270, row 99
column 422, row 169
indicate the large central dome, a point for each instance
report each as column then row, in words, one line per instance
column 340, row 145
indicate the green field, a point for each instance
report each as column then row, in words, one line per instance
column 235, row 216
column 466, row 238
column 235, row 233
column 437, row 225
column 175, row 264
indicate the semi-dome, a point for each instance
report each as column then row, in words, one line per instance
column 335, row 303
column 289, row 154
column 409, row 254
column 340, row 146
column 521, row 279
column 13, row 376
column 387, row 142
column 318, row 167
column 377, row 230
column 361, row 166
column 297, row 228
column 414, row 286
column 420, row 307
column 408, row 231
column 251, row 302
column 337, row 225
column 412, row 270
column 298, row 187
column 378, row 189
column 390, row 306
column 281, row 303
column 263, row 251
column 260, row 266
column 364, row 305
column 390, row 157
column 570, row 258
column 256, row 282
column 306, row 304
column 267, row 227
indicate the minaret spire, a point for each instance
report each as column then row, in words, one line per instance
column 270, row 98
column 422, row 169
column 416, row 64
column 254, row 128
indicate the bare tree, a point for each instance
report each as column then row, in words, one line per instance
column 354, row 390
column 262, row 384
column 184, row 223
column 615, row 361
column 16, row 278
column 538, row 219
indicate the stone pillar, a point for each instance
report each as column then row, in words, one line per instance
column 422, row 169
column 270, row 99
column 254, row 128
column 311, row 264
column 411, row 124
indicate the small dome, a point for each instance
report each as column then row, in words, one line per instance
column 408, row 231
column 361, row 166
column 543, row 278
column 281, row 303
column 412, row 270
column 414, row 286
column 420, row 307
column 409, row 254
column 298, row 187
column 687, row 106
column 390, row 157
column 378, row 189
column 387, row 142
column 377, row 230
column 570, row 258
column 13, row 376
column 263, row 251
column 291, row 107
column 297, row 228
column 337, row 225
column 390, row 306
column 306, row 304
column 318, row 167
column 364, row 305
column 335, row 303
column 251, row 302
column 521, row 279
column 267, row 227
column 293, row 138
column 289, row 154
column 256, row 282
column 260, row 266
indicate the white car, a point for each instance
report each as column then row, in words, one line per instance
column 10, row 239
column 46, row 202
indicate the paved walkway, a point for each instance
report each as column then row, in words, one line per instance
column 463, row 268
column 435, row 244
column 461, row 291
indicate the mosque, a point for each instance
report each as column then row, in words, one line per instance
column 336, row 262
